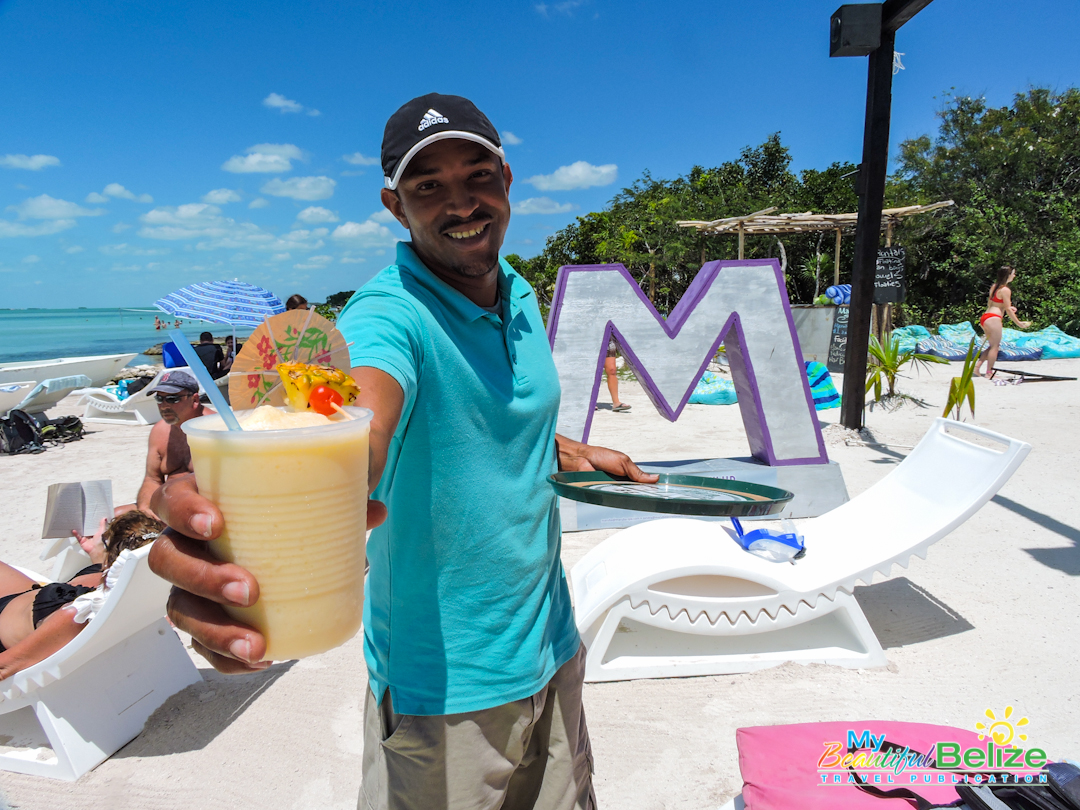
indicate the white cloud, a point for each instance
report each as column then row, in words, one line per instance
column 46, row 207
column 13, row 229
column 256, row 164
column 510, row 138
column 120, row 227
column 94, row 197
column 31, row 260
column 220, row 196
column 280, row 257
column 367, row 233
column 314, row 263
column 301, row 188
column 264, row 158
column 75, row 249
column 384, row 216
column 314, row 113
column 286, row 150
column 314, row 215
column 352, row 260
column 117, row 190
column 125, row 249
column 205, row 224
column 576, row 175
column 258, row 202
column 359, row 159
column 34, row 163
column 541, row 205
column 276, row 101
column 566, row 7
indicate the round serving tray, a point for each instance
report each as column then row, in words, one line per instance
column 673, row 494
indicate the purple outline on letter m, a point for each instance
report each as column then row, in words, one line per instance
column 743, row 304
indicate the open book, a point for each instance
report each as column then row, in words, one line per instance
column 79, row 507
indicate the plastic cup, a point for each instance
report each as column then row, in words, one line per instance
column 295, row 509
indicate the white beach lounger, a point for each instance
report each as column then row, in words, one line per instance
column 139, row 409
column 48, row 392
column 678, row 597
column 75, row 709
column 69, row 555
column 11, row 394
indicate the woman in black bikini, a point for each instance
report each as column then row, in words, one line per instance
column 992, row 321
column 33, row 624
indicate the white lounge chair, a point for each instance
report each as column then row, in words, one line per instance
column 676, row 597
column 69, row 555
column 11, row 394
column 48, row 392
column 103, row 407
column 75, row 709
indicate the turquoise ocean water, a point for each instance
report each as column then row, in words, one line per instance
column 42, row 334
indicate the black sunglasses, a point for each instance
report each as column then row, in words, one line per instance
column 170, row 399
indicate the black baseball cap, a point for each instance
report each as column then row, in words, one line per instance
column 175, row 382
column 431, row 118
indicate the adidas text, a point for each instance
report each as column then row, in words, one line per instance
column 430, row 118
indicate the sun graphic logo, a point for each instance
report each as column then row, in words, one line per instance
column 1001, row 731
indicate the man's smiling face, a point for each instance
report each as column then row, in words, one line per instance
column 453, row 200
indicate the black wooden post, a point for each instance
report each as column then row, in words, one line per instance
column 856, row 42
column 868, row 230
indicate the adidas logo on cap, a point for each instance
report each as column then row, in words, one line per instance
column 430, row 118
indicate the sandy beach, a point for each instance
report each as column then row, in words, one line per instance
column 988, row 620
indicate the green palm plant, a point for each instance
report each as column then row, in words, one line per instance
column 963, row 387
column 887, row 362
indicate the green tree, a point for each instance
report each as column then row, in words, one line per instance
column 1014, row 173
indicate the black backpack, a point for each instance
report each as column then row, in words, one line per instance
column 61, row 430
column 19, row 433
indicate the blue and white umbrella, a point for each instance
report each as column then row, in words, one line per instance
column 232, row 302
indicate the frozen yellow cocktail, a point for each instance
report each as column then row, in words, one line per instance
column 292, row 488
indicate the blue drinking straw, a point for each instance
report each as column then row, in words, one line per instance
column 196, row 367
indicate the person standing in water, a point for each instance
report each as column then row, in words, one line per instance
column 992, row 321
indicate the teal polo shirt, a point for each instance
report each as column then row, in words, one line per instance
column 466, row 605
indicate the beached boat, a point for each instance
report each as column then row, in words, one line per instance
column 100, row 368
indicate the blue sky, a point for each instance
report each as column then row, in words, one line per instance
column 145, row 146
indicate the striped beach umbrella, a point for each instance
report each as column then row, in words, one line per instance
column 234, row 302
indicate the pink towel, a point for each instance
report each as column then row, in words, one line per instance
column 780, row 765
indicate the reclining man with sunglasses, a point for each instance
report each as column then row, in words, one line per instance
column 177, row 395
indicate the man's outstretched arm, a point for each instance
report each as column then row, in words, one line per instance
column 203, row 583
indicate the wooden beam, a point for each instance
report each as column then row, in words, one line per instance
column 894, row 13
column 868, row 231
column 836, row 260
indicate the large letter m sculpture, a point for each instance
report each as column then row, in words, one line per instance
column 742, row 304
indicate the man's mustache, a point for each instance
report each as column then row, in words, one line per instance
column 480, row 216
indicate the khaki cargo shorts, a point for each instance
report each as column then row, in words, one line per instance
column 531, row 753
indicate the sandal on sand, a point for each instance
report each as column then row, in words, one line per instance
column 621, row 408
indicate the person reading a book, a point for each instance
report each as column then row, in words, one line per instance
column 36, row 619
column 177, row 395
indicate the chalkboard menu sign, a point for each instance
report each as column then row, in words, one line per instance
column 889, row 285
column 838, row 340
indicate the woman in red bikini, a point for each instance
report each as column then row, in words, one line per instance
column 992, row 321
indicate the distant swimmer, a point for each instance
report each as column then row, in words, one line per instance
column 157, row 322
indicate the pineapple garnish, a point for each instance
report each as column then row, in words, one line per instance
column 303, row 382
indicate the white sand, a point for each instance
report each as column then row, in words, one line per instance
column 988, row 620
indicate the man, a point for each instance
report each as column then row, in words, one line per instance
column 177, row 396
column 211, row 354
column 475, row 665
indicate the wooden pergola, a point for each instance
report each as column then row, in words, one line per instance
column 766, row 222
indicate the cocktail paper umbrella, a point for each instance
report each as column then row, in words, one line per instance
column 297, row 336
column 233, row 302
